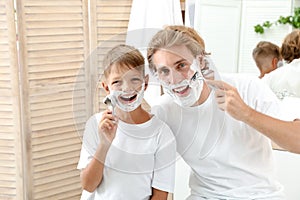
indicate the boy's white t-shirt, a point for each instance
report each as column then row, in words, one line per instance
column 141, row 156
column 228, row 158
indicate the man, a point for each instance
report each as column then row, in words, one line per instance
column 228, row 158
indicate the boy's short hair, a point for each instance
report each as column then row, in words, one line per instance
column 265, row 49
column 290, row 48
column 123, row 56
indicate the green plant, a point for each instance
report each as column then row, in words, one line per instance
column 293, row 20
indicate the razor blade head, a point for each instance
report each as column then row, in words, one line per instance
column 107, row 100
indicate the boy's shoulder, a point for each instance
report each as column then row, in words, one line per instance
column 94, row 119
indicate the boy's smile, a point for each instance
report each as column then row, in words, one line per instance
column 127, row 99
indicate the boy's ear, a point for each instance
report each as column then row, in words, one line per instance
column 146, row 81
column 274, row 63
column 105, row 86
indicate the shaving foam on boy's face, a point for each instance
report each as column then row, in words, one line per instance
column 127, row 89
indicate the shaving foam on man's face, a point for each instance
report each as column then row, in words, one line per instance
column 180, row 79
column 187, row 92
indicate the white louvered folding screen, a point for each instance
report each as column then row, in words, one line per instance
column 53, row 47
column 11, row 172
column 109, row 22
column 45, row 111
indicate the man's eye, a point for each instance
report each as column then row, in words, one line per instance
column 181, row 65
column 163, row 71
column 136, row 80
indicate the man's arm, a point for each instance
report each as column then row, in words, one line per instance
column 159, row 194
column 284, row 133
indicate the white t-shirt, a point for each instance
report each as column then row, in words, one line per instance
column 229, row 159
column 141, row 156
column 285, row 81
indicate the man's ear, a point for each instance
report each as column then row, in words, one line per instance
column 146, row 81
column 105, row 86
column 201, row 61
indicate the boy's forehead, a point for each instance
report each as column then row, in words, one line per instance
column 123, row 70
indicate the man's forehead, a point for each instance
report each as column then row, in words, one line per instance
column 172, row 55
column 180, row 51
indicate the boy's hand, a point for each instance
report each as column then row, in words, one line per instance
column 107, row 128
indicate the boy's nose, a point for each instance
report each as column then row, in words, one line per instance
column 127, row 87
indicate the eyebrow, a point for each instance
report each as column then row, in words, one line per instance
column 174, row 64
column 179, row 61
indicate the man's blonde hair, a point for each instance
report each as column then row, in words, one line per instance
column 168, row 38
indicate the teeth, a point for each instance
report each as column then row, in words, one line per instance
column 126, row 98
column 180, row 89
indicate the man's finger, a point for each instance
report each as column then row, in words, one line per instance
column 219, row 84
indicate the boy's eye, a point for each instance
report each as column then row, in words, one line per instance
column 116, row 83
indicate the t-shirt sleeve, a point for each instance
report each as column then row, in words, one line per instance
column 290, row 108
column 158, row 111
column 261, row 98
column 165, row 159
column 90, row 142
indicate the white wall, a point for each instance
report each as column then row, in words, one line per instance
column 218, row 22
column 227, row 27
column 288, row 165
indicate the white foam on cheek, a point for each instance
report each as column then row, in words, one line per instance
column 195, row 84
column 115, row 94
column 195, row 66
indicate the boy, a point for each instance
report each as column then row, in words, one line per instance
column 127, row 153
column 267, row 57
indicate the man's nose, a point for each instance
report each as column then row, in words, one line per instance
column 174, row 77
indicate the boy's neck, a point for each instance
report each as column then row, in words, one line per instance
column 137, row 116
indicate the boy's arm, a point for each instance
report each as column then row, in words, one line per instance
column 92, row 175
column 159, row 194
column 284, row 133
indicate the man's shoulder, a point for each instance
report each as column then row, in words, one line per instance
column 165, row 108
column 164, row 100
column 238, row 78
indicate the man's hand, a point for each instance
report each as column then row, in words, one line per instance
column 229, row 100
